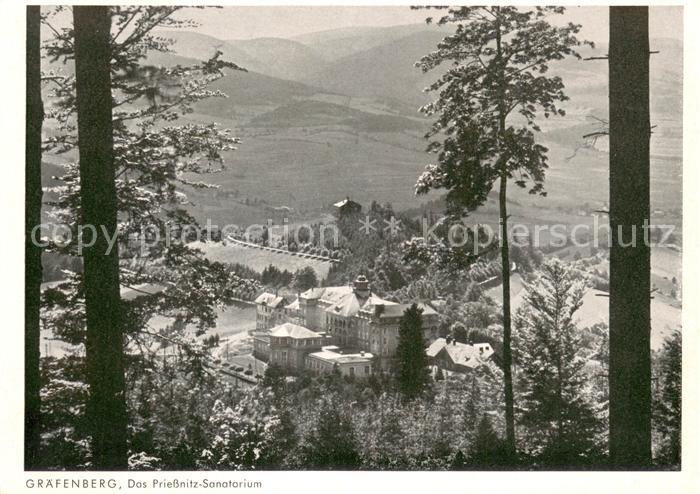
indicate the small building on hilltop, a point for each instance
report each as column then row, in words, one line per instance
column 448, row 354
column 347, row 207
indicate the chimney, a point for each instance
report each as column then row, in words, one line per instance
column 362, row 353
column 454, row 342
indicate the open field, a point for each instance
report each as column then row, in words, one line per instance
column 258, row 259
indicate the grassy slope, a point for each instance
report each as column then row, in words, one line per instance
column 258, row 259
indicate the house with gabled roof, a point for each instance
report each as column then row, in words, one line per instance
column 347, row 206
column 451, row 355
column 269, row 310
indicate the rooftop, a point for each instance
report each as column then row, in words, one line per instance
column 461, row 353
column 344, row 202
column 269, row 299
column 350, row 304
column 289, row 330
column 396, row 310
column 333, row 354
column 328, row 294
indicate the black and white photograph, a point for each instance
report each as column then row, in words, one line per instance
column 370, row 238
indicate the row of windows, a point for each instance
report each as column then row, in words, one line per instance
column 291, row 341
column 317, row 365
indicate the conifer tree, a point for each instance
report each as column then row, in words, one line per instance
column 487, row 450
column 332, row 445
column 32, row 251
column 154, row 158
column 487, row 104
column 104, row 347
column 412, row 373
column 558, row 418
column 630, row 255
column 667, row 403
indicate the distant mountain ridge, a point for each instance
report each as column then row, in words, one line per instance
column 340, row 108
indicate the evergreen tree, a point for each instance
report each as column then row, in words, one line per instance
column 32, row 252
column 557, row 416
column 498, row 58
column 667, row 402
column 487, row 450
column 412, row 374
column 630, row 255
column 459, row 461
column 152, row 158
column 104, row 348
column 331, row 444
column 439, row 376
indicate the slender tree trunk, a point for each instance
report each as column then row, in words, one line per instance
column 104, row 344
column 32, row 252
column 630, row 366
column 505, row 265
column 507, row 354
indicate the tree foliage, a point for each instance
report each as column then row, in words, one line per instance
column 412, row 375
column 667, row 402
column 488, row 99
column 483, row 83
column 156, row 157
column 304, row 279
column 332, row 443
column 555, row 407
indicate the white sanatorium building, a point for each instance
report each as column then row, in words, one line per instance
column 343, row 327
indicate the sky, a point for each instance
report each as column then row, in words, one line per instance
column 287, row 21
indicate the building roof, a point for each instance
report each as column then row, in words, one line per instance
column 396, row 310
column 333, row 355
column 289, row 330
column 328, row 294
column 350, row 304
column 461, row 353
column 269, row 299
column 294, row 305
column 345, row 202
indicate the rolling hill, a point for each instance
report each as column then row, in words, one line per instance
column 339, row 108
column 312, row 113
column 384, row 72
column 335, row 44
column 281, row 58
column 274, row 57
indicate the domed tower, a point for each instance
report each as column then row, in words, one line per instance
column 361, row 287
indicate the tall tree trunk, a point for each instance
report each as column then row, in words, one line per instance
column 507, row 354
column 104, row 344
column 32, row 252
column 505, row 262
column 630, row 366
